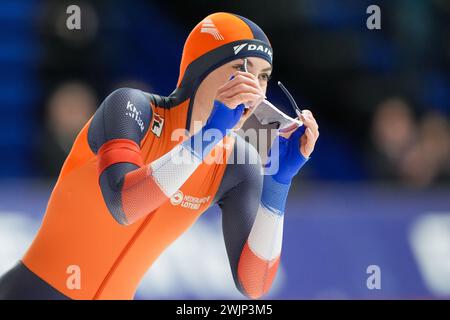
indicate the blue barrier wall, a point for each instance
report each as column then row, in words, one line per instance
column 333, row 233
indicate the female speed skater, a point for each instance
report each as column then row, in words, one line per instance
column 121, row 198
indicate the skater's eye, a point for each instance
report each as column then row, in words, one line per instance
column 265, row 77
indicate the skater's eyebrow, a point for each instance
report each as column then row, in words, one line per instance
column 251, row 65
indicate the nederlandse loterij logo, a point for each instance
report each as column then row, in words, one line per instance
column 177, row 198
column 209, row 27
column 252, row 47
column 187, row 201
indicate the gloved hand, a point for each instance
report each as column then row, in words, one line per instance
column 223, row 117
column 242, row 89
column 285, row 153
column 227, row 110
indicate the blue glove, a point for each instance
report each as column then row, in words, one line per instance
column 290, row 159
column 222, row 119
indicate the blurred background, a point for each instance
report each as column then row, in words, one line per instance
column 376, row 191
